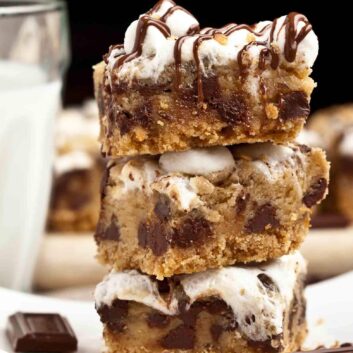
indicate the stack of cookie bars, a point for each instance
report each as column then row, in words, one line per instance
column 206, row 199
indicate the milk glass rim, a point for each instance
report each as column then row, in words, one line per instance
column 28, row 7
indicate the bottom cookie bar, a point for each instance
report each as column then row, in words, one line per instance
column 240, row 309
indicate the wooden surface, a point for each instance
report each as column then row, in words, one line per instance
column 67, row 261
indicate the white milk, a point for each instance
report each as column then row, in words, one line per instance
column 28, row 106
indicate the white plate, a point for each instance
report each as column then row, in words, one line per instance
column 330, row 314
column 81, row 315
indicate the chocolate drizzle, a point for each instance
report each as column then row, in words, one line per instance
column 171, row 10
column 199, row 40
column 265, row 37
column 293, row 38
column 242, row 66
column 111, row 48
column 158, row 6
column 143, row 24
column 177, row 58
column 193, row 28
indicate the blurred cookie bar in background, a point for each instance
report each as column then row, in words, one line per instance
column 344, row 180
column 332, row 129
column 77, row 171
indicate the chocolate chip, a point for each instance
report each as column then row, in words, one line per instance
column 119, row 87
column 265, row 216
column 143, row 235
column 127, row 120
column 153, row 236
column 112, row 232
column 293, row 105
column 163, row 286
column 267, row 282
column 114, row 315
column 233, row 110
column 250, row 319
column 188, row 95
column 304, row 148
column 124, row 121
column 143, row 114
column 157, row 320
column 162, row 208
column 67, row 191
column 216, row 331
column 315, row 193
column 211, row 88
column 241, row 202
column 189, row 316
column 217, row 307
column 182, row 337
column 193, row 231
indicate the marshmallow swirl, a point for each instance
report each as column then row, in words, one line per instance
column 241, row 287
column 168, row 34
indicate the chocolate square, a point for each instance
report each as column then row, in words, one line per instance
column 40, row 332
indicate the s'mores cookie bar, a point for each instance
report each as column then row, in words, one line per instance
column 171, row 86
column 334, row 125
column 184, row 212
column 78, row 168
column 329, row 124
column 344, row 176
column 243, row 309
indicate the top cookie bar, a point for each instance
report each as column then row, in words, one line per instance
column 172, row 86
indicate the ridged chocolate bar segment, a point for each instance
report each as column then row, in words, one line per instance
column 40, row 332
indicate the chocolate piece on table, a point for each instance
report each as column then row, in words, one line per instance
column 40, row 332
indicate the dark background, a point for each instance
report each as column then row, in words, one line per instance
column 95, row 26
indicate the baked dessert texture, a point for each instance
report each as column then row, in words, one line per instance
column 185, row 212
column 311, row 138
column 171, row 86
column 255, row 308
column 344, row 175
column 78, row 168
column 334, row 125
column 329, row 124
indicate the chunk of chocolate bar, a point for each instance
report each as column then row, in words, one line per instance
column 39, row 332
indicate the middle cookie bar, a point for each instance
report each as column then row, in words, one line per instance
column 189, row 211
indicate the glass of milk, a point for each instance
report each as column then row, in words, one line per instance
column 34, row 55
